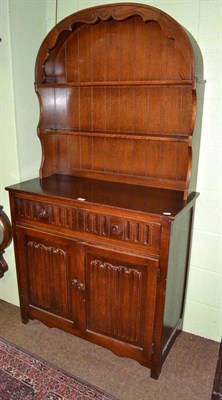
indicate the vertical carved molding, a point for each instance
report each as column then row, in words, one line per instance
column 116, row 295
column 5, row 239
column 46, row 213
column 48, row 277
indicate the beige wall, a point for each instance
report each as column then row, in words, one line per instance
column 203, row 19
column 23, row 27
column 9, row 171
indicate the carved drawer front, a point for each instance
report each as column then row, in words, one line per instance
column 77, row 219
column 128, row 230
column 46, row 213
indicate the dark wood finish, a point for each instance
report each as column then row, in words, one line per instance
column 102, row 238
column 217, row 385
column 5, row 239
column 109, row 99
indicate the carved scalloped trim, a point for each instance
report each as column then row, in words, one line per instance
column 91, row 16
column 50, row 249
column 119, row 268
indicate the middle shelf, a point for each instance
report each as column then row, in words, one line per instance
column 133, row 109
column 161, row 136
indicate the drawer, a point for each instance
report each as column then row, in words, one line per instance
column 52, row 214
column 83, row 220
column 120, row 228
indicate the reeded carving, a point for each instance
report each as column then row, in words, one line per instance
column 47, row 213
column 116, row 228
column 48, row 277
column 90, row 222
column 115, row 293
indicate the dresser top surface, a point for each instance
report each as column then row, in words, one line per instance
column 117, row 195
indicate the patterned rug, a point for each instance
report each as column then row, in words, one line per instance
column 24, row 376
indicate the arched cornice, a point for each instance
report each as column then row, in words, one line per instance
column 119, row 12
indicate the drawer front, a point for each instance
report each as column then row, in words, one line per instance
column 120, row 228
column 82, row 220
column 51, row 214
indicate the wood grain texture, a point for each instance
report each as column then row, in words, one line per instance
column 102, row 237
column 125, row 70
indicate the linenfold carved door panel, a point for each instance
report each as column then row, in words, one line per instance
column 120, row 296
column 48, row 271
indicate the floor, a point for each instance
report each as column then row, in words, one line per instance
column 187, row 373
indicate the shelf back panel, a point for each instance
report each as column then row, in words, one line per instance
column 119, row 157
column 135, row 109
column 117, row 91
column 116, row 51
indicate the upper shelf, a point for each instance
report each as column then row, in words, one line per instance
column 118, row 42
column 175, row 82
column 119, row 97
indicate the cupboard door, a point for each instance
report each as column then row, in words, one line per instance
column 45, row 269
column 120, row 298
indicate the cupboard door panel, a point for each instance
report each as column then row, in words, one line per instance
column 120, row 297
column 46, row 268
column 48, row 276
